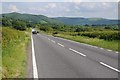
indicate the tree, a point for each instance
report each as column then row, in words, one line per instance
column 19, row 25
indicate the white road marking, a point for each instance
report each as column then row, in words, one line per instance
column 67, row 40
column 48, row 39
column 116, row 52
column 83, row 44
column 90, row 45
column 101, row 48
column 53, row 41
column 77, row 42
column 35, row 72
column 95, row 46
column 60, row 44
column 77, row 52
column 110, row 67
column 109, row 50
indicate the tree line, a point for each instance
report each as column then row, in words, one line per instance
column 16, row 23
column 106, row 32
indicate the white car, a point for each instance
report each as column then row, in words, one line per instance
column 34, row 31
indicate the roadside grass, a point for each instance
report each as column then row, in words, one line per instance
column 0, row 52
column 14, row 57
column 113, row 45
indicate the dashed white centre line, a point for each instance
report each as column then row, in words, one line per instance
column 116, row 52
column 77, row 52
column 48, row 39
column 110, row 67
column 53, row 41
column 101, row 48
column 60, row 44
column 35, row 72
column 109, row 50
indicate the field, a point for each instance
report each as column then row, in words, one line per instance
column 14, row 43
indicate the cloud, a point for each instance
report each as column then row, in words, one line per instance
column 36, row 9
column 95, row 6
column 51, row 5
column 94, row 1
column 60, row 0
column 71, row 9
column 13, row 8
column 35, row 0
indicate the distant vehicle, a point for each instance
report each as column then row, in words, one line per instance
column 34, row 31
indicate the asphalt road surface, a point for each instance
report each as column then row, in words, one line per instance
column 60, row 58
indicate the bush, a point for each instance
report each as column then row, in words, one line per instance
column 106, row 35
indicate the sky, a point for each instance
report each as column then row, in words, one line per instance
column 60, row 0
column 64, row 8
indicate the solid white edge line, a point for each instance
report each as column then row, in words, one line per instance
column 95, row 47
column 110, row 67
column 60, row 44
column 35, row 73
column 77, row 52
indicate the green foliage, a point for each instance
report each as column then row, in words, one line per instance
column 106, row 35
column 15, row 23
column 84, row 21
column 11, row 37
column 13, row 52
column 93, row 41
column 79, row 29
column 45, row 28
column 19, row 25
column 54, row 33
column 0, row 52
column 34, row 19
column 101, row 32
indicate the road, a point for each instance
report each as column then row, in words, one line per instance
column 60, row 58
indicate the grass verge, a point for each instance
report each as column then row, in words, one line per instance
column 0, row 53
column 113, row 45
column 14, row 57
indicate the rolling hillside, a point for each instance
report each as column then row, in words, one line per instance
column 30, row 18
column 83, row 21
column 58, row 20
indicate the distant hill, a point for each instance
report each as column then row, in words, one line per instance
column 58, row 20
column 83, row 21
column 30, row 18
